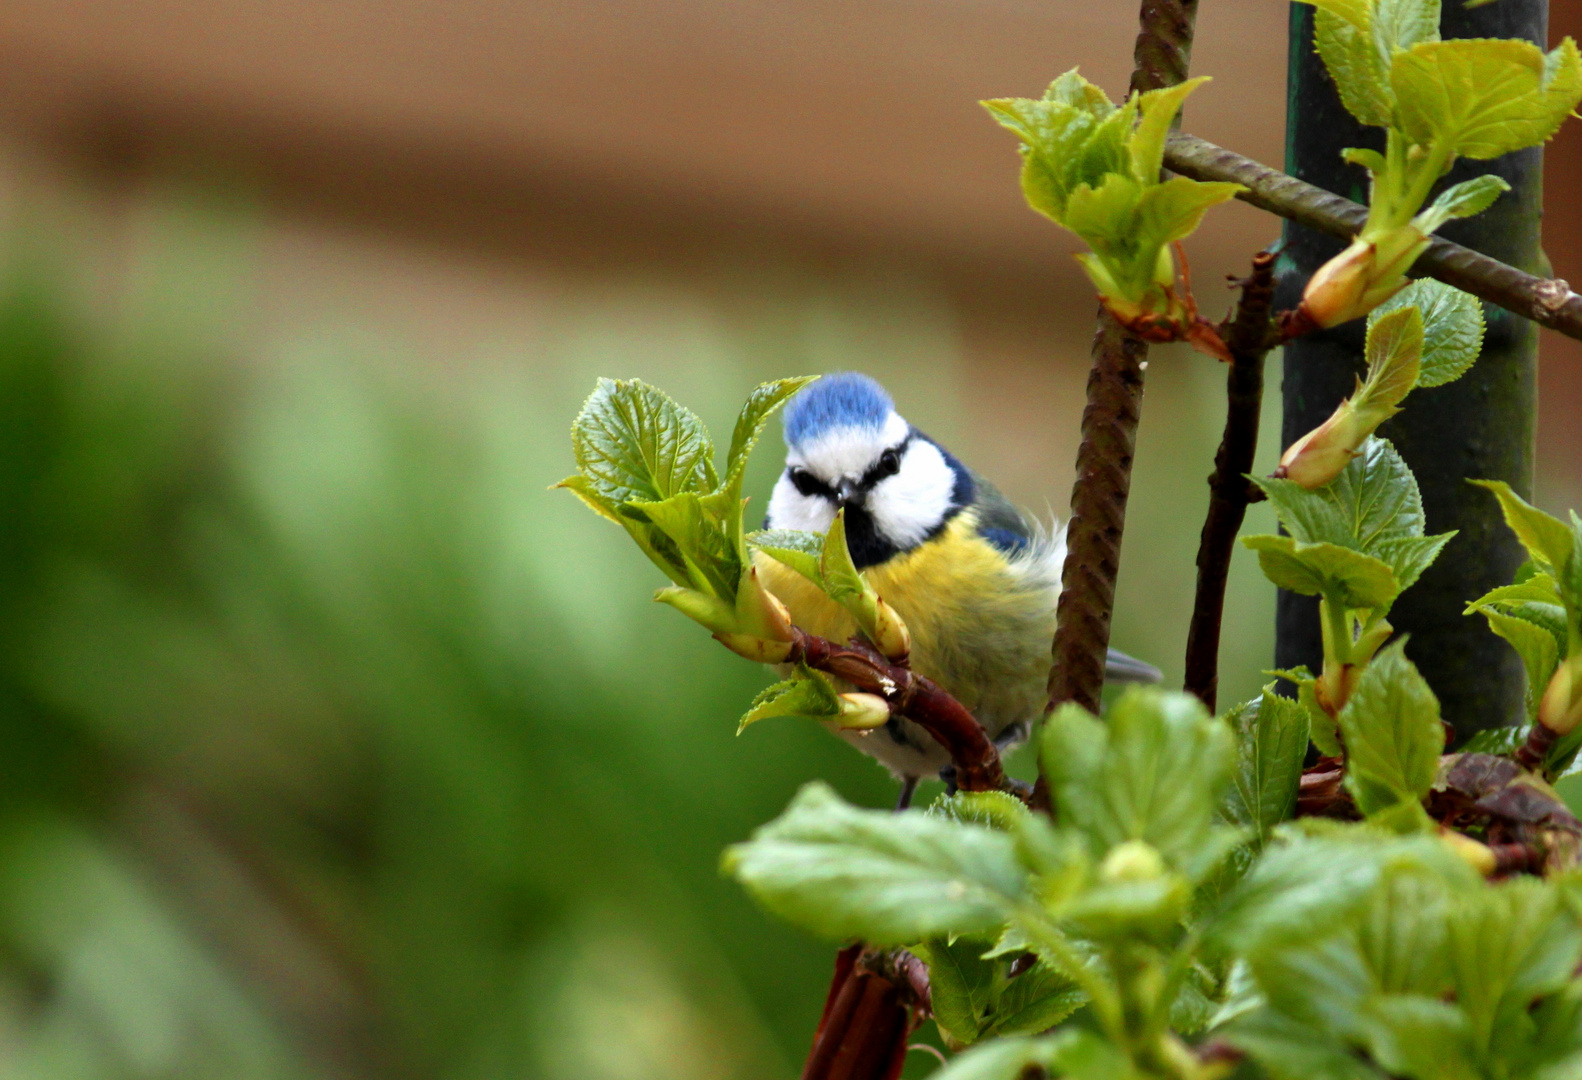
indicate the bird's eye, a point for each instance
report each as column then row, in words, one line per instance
column 890, row 462
column 805, row 482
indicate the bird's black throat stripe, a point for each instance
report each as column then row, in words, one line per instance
column 870, row 548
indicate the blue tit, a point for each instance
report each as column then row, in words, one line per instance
column 975, row 579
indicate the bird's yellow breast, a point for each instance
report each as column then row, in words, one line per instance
column 981, row 623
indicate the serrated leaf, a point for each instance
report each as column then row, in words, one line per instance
column 888, row 878
column 1352, row 579
column 1547, row 539
column 1481, row 98
column 1503, row 741
column 1287, row 1050
column 1034, row 1001
column 991, row 809
column 1070, row 88
column 808, row 695
column 1394, row 350
column 962, row 985
column 761, row 403
column 1343, row 31
column 1392, row 733
column 1461, row 200
column 799, row 550
column 1153, row 772
column 1271, row 742
column 1374, row 499
column 1452, row 328
column 1103, row 151
column 1409, row 556
column 633, row 442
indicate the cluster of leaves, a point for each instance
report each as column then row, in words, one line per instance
column 1094, row 168
column 1437, row 101
column 647, row 464
column 1169, row 901
column 1355, row 536
column 1540, row 614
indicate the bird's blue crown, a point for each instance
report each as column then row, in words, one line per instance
column 843, row 400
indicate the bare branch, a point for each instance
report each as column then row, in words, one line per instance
column 1248, row 335
column 919, row 699
column 1547, row 301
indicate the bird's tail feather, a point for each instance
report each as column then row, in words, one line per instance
column 1119, row 667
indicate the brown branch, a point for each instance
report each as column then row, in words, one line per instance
column 1248, row 335
column 1163, row 53
column 1109, row 432
column 1547, row 301
column 1098, row 515
column 875, row 1002
column 915, row 697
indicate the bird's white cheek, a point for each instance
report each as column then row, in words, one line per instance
column 790, row 509
column 912, row 503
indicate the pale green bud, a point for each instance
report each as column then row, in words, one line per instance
column 1359, row 279
column 1133, row 860
column 862, row 712
column 1561, row 707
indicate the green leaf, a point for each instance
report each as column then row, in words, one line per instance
column 1461, row 200
column 1537, row 647
column 1173, row 210
column 1305, row 884
column 1374, row 498
column 1354, row 580
column 711, row 557
column 962, row 985
column 888, row 878
column 991, row 809
column 761, row 403
column 1157, row 109
column 842, row 581
column 1394, row 349
column 1288, row 1050
column 1409, row 556
column 1482, row 98
column 1511, row 944
column 632, row 441
column 1075, row 1055
column 1452, row 327
column 1271, row 741
column 1344, row 34
column 1035, row 1001
column 801, row 551
column 1503, row 741
column 808, row 695
column 1547, row 539
column 1392, row 732
column 1153, row 772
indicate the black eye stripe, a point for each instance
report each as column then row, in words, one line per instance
column 807, row 483
column 889, row 464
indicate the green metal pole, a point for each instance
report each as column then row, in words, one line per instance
column 1481, row 426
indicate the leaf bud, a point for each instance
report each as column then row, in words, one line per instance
column 756, row 648
column 1477, row 855
column 889, row 632
column 1323, row 453
column 862, row 712
column 1131, row 861
column 1360, row 278
column 1561, row 707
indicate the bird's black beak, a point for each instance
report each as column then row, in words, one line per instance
column 848, row 493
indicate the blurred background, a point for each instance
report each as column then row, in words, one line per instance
column 332, row 744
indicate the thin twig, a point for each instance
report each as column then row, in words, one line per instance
column 1547, row 301
column 915, row 697
column 1249, row 338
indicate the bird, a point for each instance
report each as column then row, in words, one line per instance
column 975, row 579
